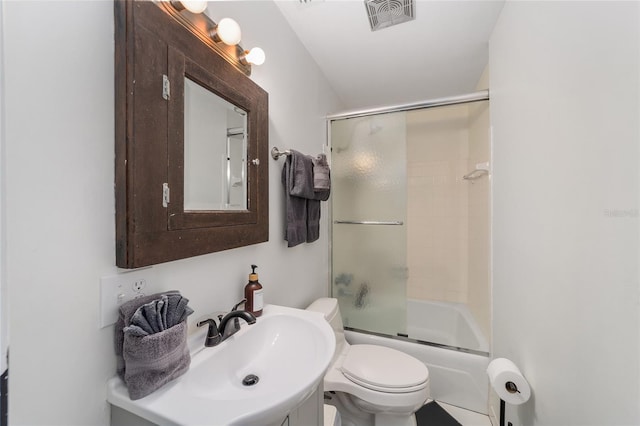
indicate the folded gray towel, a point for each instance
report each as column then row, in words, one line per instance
column 159, row 315
column 302, row 202
column 321, row 173
column 126, row 311
column 177, row 310
column 150, row 342
column 155, row 359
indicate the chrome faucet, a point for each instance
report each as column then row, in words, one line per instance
column 217, row 334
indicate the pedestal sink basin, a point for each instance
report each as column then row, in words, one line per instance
column 255, row 377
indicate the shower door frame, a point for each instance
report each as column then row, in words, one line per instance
column 481, row 95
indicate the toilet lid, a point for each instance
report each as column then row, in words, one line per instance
column 384, row 369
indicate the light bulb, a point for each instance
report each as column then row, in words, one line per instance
column 195, row 6
column 255, row 56
column 228, row 31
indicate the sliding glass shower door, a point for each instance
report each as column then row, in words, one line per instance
column 369, row 241
column 411, row 224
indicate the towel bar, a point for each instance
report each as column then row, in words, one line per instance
column 367, row 222
column 276, row 153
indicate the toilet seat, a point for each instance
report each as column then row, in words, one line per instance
column 384, row 369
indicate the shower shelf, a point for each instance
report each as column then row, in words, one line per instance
column 367, row 222
column 480, row 170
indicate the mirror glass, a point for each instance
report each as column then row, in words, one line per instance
column 215, row 151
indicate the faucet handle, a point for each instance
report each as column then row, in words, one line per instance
column 213, row 336
column 209, row 321
column 235, row 307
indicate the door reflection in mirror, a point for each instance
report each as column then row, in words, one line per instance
column 215, row 151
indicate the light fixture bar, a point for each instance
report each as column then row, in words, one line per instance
column 202, row 26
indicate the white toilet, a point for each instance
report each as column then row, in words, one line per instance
column 373, row 385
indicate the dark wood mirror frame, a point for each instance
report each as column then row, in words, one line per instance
column 152, row 41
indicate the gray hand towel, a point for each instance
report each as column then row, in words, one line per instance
column 301, row 180
column 177, row 310
column 126, row 311
column 150, row 342
column 321, row 174
column 154, row 360
column 159, row 315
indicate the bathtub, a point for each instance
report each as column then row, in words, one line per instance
column 446, row 323
column 457, row 377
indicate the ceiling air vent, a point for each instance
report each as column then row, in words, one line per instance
column 385, row 13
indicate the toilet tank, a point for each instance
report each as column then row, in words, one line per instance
column 328, row 306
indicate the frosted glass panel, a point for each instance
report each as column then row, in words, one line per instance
column 369, row 185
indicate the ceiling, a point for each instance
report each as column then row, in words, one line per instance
column 441, row 53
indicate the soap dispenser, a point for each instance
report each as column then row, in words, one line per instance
column 253, row 294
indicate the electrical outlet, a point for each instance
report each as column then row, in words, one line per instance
column 139, row 285
column 122, row 287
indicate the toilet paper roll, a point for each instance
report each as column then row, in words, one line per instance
column 508, row 382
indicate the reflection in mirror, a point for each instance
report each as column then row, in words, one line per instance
column 236, row 169
column 215, row 151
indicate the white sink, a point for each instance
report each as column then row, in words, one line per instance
column 289, row 351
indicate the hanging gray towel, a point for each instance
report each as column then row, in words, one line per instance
column 151, row 342
column 302, row 202
column 321, row 174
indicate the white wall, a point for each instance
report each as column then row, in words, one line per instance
column 565, row 109
column 60, row 199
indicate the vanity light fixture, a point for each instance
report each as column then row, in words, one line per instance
column 193, row 6
column 253, row 56
column 223, row 37
column 227, row 31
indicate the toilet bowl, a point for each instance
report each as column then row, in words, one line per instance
column 370, row 384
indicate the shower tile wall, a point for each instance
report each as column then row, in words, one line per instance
column 437, row 207
column 448, row 217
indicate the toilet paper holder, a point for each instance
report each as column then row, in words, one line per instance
column 509, row 383
column 511, row 387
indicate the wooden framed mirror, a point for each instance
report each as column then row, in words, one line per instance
column 191, row 141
